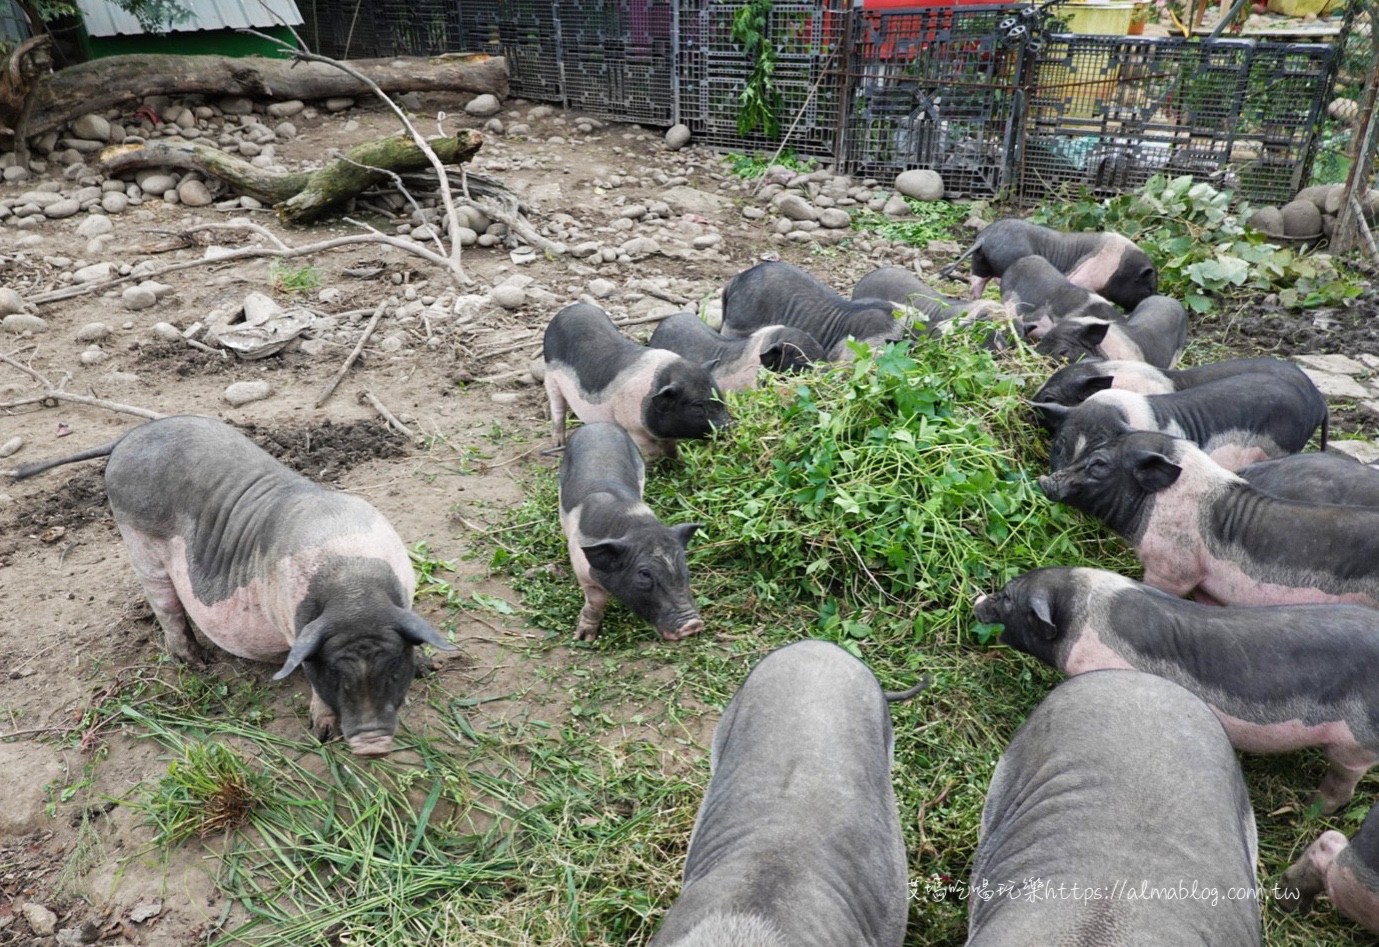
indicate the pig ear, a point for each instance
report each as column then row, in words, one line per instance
column 1091, row 386
column 308, row 643
column 417, row 630
column 1153, row 471
column 1094, row 333
column 710, row 365
column 771, row 356
column 608, row 555
column 1051, row 414
column 1039, row 604
column 685, row 531
column 667, row 393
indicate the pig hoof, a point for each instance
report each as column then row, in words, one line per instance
column 1291, row 900
column 325, row 728
column 587, row 632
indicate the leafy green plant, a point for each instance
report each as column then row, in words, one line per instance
column 928, row 221
column 755, row 165
column 1203, row 250
column 294, row 280
column 209, row 788
column 759, row 103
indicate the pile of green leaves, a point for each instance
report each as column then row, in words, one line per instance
column 754, row 166
column 876, row 499
column 928, row 221
column 1204, row 252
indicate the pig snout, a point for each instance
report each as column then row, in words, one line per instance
column 371, row 743
column 689, row 627
column 987, row 608
column 1054, row 485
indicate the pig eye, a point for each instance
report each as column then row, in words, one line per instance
column 699, row 408
column 645, row 580
column 1098, row 467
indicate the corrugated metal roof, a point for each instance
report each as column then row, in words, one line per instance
column 105, row 19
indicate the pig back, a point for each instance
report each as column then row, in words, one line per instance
column 1124, row 785
column 799, row 828
column 203, row 487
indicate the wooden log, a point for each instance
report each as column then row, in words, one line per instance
column 299, row 197
column 124, row 80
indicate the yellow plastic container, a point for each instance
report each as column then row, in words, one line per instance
column 1110, row 18
column 1297, row 7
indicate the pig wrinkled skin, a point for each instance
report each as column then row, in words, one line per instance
column 1237, row 420
column 656, row 396
column 1347, row 872
column 1041, row 298
column 1105, row 263
column 797, row 842
column 1156, row 333
column 1279, row 679
column 780, row 294
column 1074, row 384
column 1196, row 526
column 267, row 564
column 941, row 314
column 1317, row 478
column 1117, row 783
column 736, row 361
column 617, row 546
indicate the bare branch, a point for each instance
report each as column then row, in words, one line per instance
column 359, row 347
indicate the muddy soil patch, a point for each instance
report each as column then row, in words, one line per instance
column 1264, row 330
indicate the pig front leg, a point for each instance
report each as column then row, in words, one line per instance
column 324, row 723
column 591, row 615
column 1306, row 877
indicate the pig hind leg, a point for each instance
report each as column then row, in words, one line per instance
column 1338, row 785
column 559, row 408
column 1306, row 877
column 163, row 599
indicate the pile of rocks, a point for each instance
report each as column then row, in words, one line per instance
column 1311, row 215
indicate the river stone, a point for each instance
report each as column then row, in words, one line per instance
column 920, row 183
column 10, row 301
column 286, row 109
column 95, row 226
column 484, row 105
column 67, row 207
column 94, row 273
column 23, row 322
column 135, row 298
column 193, row 193
column 91, row 126
column 245, row 392
column 677, row 137
column 93, row 332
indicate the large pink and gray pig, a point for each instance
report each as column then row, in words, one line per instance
column 1279, row 679
column 598, row 373
column 1156, row 332
column 1105, row 263
column 618, row 548
column 266, row 563
column 1346, row 871
column 1197, row 527
column 1104, row 827
column 797, row 842
column 780, row 294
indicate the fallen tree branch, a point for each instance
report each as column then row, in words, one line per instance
column 55, row 393
column 119, row 81
column 368, row 397
column 354, row 355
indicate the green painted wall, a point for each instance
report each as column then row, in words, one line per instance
column 198, row 43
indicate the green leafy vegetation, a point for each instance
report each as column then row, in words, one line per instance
column 755, row 165
column 928, row 221
column 294, row 280
column 759, row 103
column 1204, row 252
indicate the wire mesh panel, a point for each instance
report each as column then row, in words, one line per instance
column 1109, row 112
column 713, row 71
column 527, row 33
column 341, row 29
column 618, row 58
column 932, row 87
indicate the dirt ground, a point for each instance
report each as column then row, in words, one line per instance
column 72, row 616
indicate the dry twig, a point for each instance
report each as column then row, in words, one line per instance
column 53, row 392
column 388, row 416
column 354, row 355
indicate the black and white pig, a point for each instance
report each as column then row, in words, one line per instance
column 1104, row 263
column 941, row 313
column 1347, row 872
column 1156, row 333
column 1075, row 383
column 1237, row 420
column 1041, row 297
column 1105, row 827
column 736, row 361
column 1279, row 679
column 1317, row 478
column 797, row 842
column 780, row 294
column 1197, row 526
column 617, row 546
column 601, row 375
column 266, row 563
